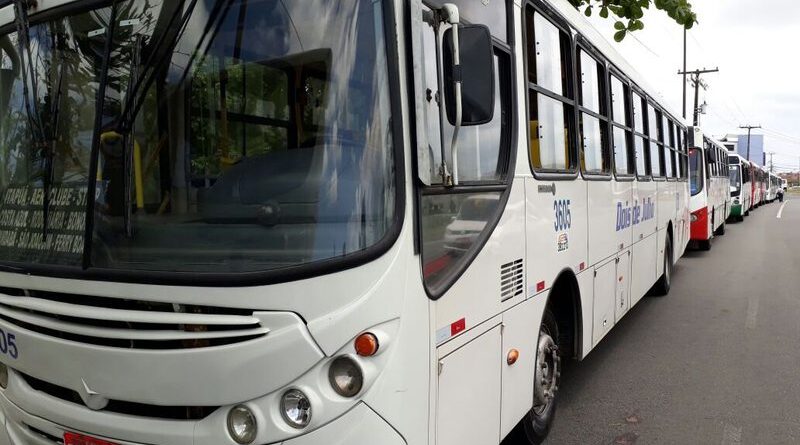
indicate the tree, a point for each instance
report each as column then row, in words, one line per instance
column 632, row 11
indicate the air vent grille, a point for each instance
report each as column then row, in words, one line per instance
column 511, row 280
column 130, row 324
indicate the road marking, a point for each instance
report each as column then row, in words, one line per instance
column 752, row 312
column 731, row 435
column 780, row 212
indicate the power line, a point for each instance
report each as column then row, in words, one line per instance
column 781, row 135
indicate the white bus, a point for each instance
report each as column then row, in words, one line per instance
column 318, row 222
column 773, row 184
column 760, row 196
column 740, row 188
column 710, row 188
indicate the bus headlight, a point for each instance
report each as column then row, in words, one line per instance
column 296, row 408
column 242, row 425
column 3, row 376
column 345, row 376
column 694, row 217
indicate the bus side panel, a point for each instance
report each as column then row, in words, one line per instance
column 643, row 209
column 476, row 296
column 556, row 225
column 645, row 266
column 520, row 332
column 469, row 387
column 605, row 284
column 623, row 284
column 610, row 225
column 646, row 200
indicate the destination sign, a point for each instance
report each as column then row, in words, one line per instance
column 22, row 224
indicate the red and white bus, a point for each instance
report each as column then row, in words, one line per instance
column 710, row 188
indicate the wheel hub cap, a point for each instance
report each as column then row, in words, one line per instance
column 548, row 372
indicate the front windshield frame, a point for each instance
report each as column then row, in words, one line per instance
column 250, row 278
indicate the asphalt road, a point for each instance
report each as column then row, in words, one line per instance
column 717, row 361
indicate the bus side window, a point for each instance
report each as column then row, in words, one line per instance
column 454, row 221
column 550, row 95
column 641, row 143
column 593, row 118
column 620, row 119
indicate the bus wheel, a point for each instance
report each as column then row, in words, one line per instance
column 664, row 283
column 533, row 428
column 721, row 230
column 704, row 245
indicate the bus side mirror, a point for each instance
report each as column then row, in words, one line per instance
column 475, row 72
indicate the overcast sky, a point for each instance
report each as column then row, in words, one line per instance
column 752, row 43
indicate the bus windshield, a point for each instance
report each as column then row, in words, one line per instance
column 695, row 171
column 736, row 184
column 215, row 136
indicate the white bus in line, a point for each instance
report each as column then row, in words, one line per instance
column 740, row 188
column 759, row 194
column 773, row 184
column 314, row 222
column 710, row 188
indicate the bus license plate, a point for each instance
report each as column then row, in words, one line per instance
column 77, row 439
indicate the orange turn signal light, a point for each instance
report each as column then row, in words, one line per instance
column 366, row 344
column 513, row 356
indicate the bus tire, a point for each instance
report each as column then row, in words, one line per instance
column 721, row 230
column 534, row 427
column 663, row 285
column 704, row 245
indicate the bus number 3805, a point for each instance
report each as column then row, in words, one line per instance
column 563, row 217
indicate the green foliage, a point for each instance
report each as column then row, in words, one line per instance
column 630, row 12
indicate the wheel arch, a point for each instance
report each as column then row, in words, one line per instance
column 564, row 300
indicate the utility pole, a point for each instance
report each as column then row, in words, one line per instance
column 771, row 165
column 697, row 83
column 749, row 129
column 684, row 73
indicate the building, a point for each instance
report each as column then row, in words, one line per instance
column 738, row 143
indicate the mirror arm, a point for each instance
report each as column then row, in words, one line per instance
column 451, row 16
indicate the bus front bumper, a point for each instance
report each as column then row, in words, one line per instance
column 359, row 426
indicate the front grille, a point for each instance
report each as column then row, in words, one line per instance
column 122, row 407
column 127, row 323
